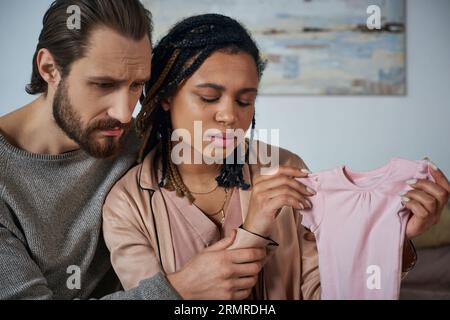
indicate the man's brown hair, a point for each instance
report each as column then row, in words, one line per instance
column 127, row 17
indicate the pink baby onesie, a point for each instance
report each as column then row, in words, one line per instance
column 359, row 222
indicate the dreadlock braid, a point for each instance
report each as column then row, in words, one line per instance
column 175, row 182
column 150, row 106
column 175, row 58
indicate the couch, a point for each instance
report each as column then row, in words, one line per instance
column 430, row 278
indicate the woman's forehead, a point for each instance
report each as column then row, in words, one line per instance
column 238, row 68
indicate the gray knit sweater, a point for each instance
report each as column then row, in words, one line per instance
column 51, row 244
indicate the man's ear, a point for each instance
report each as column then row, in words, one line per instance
column 48, row 68
column 166, row 103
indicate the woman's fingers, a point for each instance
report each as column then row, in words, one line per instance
column 282, row 170
column 417, row 209
column 284, row 180
column 440, row 178
column 272, row 192
column 283, row 184
column 427, row 201
column 286, row 191
column 436, row 190
column 420, row 220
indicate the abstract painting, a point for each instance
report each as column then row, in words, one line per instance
column 313, row 47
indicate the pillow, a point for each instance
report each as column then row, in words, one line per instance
column 438, row 235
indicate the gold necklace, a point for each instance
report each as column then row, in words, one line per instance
column 221, row 210
column 208, row 192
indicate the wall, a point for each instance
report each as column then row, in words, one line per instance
column 362, row 132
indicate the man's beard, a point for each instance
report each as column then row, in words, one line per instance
column 70, row 122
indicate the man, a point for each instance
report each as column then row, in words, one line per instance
column 61, row 154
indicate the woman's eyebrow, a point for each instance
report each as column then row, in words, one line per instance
column 212, row 86
column 222, row 88
column 248, row 90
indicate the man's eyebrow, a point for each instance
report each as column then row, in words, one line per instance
column 115, row 80
column 222, row 88
column 146, row 79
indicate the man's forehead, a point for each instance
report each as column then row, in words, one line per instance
column 110, row 52
column 120, row 69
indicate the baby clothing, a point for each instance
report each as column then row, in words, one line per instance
column 359, row 222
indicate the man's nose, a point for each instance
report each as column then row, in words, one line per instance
column 122, row 107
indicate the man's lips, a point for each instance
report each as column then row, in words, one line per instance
column 116, row 132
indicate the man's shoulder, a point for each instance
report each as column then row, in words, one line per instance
column 4, row 162
column 129, row 182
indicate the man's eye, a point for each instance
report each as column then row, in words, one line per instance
column 209, row 100
column 105, row 85
column 138, row 85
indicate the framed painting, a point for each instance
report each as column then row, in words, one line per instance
column 313, row 47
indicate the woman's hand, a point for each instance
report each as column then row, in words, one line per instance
column 272, row 192
column 426, row 202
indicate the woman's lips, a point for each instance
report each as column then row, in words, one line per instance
column 116, row 132
column 222, row 141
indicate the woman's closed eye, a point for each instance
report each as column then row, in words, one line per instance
column 209, row 99
column 240, row 102
column 244, row 103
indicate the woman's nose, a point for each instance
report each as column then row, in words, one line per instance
column 227, row 112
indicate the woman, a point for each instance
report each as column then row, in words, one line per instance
column 165, row 211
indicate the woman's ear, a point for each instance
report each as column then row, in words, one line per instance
column 166, row 103
column 48, row 68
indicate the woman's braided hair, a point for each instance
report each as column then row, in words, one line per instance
column 175, row 58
